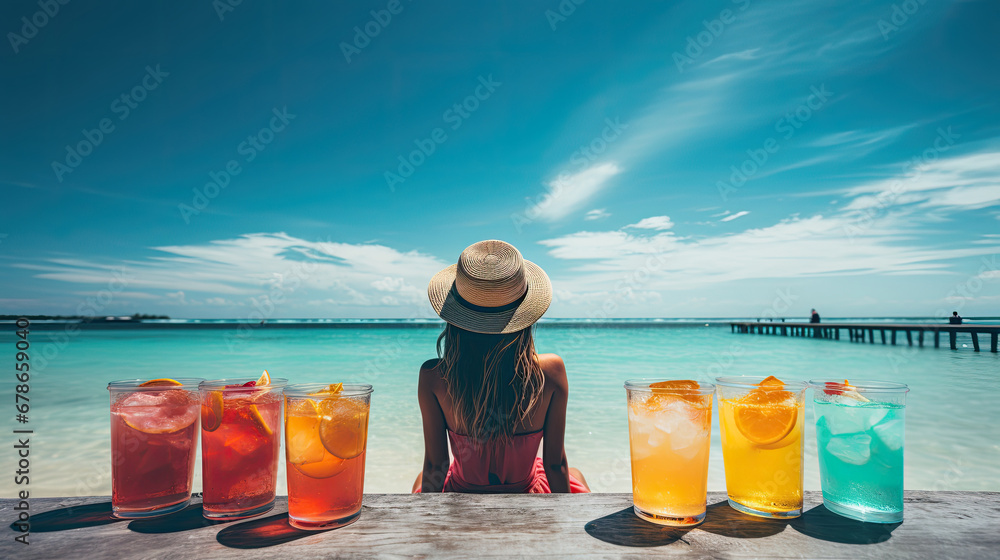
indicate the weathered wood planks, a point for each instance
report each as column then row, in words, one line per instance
column 937, row 525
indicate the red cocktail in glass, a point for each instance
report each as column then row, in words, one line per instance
column 154, row 430
column 241, row 427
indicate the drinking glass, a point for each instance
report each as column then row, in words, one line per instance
column 669, row 427
column 154, row 430
column 241, row 427
column 326, row 434
column 859, row 437
column 761, row 425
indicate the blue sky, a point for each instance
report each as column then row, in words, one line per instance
column 657, row 159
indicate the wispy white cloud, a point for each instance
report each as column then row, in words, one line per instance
column 654, row 222
column 732, row 217
column 597, row 214
column 792, row 248
column 229, row 272
column 748, row 54
column 963, row 182
column 570, row 193
column 834, row 244
column 859, row 138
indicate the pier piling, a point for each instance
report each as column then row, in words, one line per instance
column 857, row 332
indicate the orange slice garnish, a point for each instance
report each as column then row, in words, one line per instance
column 211, row 412
column 258, row 419
column 343, row 426
column 265, row 379
column 770, row 390
column 329, row 390
column 765, row 424
column 684, row 389
column 162, row 382
column 763, row 415
column 327, row 467
column 302, row 443
column 675, row 385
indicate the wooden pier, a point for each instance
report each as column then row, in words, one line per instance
column 936, row 525
column 865, row 332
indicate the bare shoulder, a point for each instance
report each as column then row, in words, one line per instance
column 431, row 364
column 430, row 375
column 554, row 369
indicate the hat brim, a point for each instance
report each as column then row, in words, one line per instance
column 531, row 308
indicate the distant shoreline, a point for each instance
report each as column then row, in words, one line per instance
column 89, row 323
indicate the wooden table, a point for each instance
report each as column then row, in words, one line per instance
column 937, row 525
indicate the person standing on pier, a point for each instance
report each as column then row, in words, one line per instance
column 815, row 317
column 955, row 318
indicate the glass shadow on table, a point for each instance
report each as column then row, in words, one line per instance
column 261, row 532
column 821, row 523
column 191, row 517
column 73, row 517
column 624, row 528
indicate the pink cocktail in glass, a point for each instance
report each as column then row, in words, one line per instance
column 154, row 431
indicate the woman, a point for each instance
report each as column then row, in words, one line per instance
column 489, row 393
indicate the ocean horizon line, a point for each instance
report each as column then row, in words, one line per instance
column 125, row 322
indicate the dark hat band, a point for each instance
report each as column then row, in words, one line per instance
column 478, row 308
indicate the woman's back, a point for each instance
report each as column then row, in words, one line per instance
column 489, row 394
column 511, row 465
column 554, row 377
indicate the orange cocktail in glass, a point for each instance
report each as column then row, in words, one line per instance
column 154, row 429
column 762, row 422
column 326, row 433
column 669, row 428
column 241, row 427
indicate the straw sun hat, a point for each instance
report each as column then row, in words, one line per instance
column 491, row 290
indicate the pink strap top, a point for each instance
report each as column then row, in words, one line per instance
column 515, row 468
column 493, row 466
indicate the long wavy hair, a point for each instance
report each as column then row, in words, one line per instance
column 494, row 380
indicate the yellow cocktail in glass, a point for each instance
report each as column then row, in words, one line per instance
column 670, row 426
column 761, row 424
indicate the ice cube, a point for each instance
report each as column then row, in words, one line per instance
column 843, row 400
column 842, row 422
column 641, row 449
column 158, row 412
column 656, row 438
column 684, row 441
column 641, row 427
column 246, row 444
column 822, row 428
column 683, row 424
column 890, row 433
column 668, row 423
column 145, row 398
column 874, row 415
column 854, row 448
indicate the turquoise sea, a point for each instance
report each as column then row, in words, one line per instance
column 952, row 414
